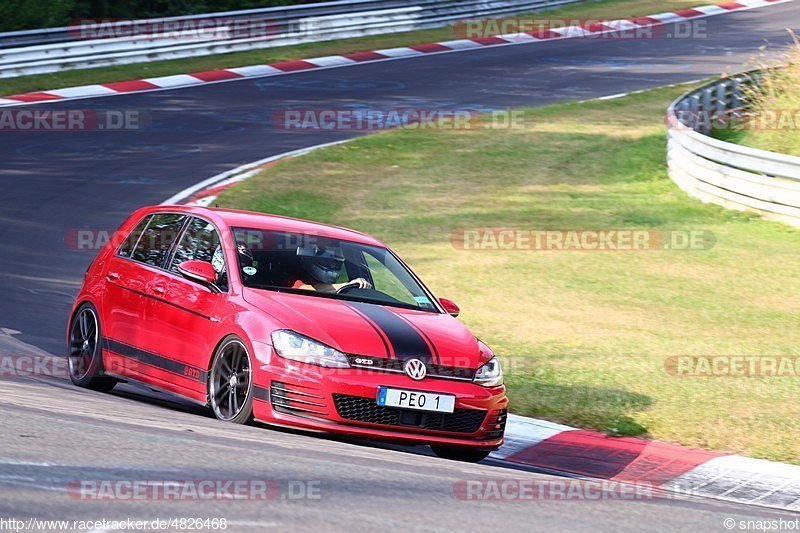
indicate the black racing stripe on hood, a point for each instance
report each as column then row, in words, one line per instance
column 378, row 331
column 405, row 340
column 419, row 330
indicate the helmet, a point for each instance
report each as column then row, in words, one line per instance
column 321, row 264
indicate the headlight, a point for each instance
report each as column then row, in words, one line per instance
column 291, row 345
column 490, row 374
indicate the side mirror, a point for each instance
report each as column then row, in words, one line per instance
column 450, row 306
column 199, row 271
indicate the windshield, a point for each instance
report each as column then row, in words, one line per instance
column 325, row 267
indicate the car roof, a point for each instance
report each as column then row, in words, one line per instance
column 234, row 218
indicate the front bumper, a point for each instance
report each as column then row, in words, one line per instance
column 344, row 401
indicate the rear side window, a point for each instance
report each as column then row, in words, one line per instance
column 126, row 249
column 157, row 239
column 199, row 242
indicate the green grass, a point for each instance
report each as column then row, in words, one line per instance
column 605, row 9
column 584, row 334
column 773, row 122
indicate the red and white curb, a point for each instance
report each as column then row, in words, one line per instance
column 673, row 468
column 589, row 454
column 459, row 45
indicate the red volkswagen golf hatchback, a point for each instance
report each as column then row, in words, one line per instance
column 286, row 322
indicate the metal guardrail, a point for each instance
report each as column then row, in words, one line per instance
column 55, row 49
column 735, row 176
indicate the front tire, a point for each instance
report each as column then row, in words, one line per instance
column 230, row 384
column 467, row 455
column 85, row 351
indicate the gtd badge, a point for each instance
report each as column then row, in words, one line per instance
column 415, row 369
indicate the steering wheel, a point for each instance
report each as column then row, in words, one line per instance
column 359, row 283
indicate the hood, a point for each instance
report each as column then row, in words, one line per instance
column 371, row 330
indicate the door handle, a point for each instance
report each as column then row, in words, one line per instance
column 158, row 289
column 112, row 276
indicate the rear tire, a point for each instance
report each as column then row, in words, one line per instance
column 230, row 384
column 467, row 455
column 85, row 351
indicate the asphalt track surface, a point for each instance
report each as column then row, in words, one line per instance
column 54, row 183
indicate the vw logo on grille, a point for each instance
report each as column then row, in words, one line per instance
column 415, row 369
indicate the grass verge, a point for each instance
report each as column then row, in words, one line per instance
column 601, row 9
column 773, row 120
column 592, row 329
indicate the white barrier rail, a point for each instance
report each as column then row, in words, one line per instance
column 51, row 50
column 735, row 176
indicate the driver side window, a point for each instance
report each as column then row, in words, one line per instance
column 200, row 242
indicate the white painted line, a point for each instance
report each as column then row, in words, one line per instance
column 518, row 37
column 573, row 31
column 461, row 44
column 612, row 96
column 330, row 61
column 255, row 70
column 403, row 51
column 622, row 24
column 236, row 178
column 216, row 180
column 666, row 18
column 178, row 80
column 712, row 10
column 83, row 90
column 203, row 202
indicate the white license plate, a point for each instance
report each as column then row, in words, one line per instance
column 419, row 401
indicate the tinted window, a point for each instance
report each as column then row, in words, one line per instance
column 158, row 238
column 130, row 241
column 199, row 242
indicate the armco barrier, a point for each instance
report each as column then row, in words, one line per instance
column 723, row 173
column 50, row 50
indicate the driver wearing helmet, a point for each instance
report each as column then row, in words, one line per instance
column 321, row 268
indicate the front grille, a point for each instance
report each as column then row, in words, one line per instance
column 367, row 410
column 382, row 364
